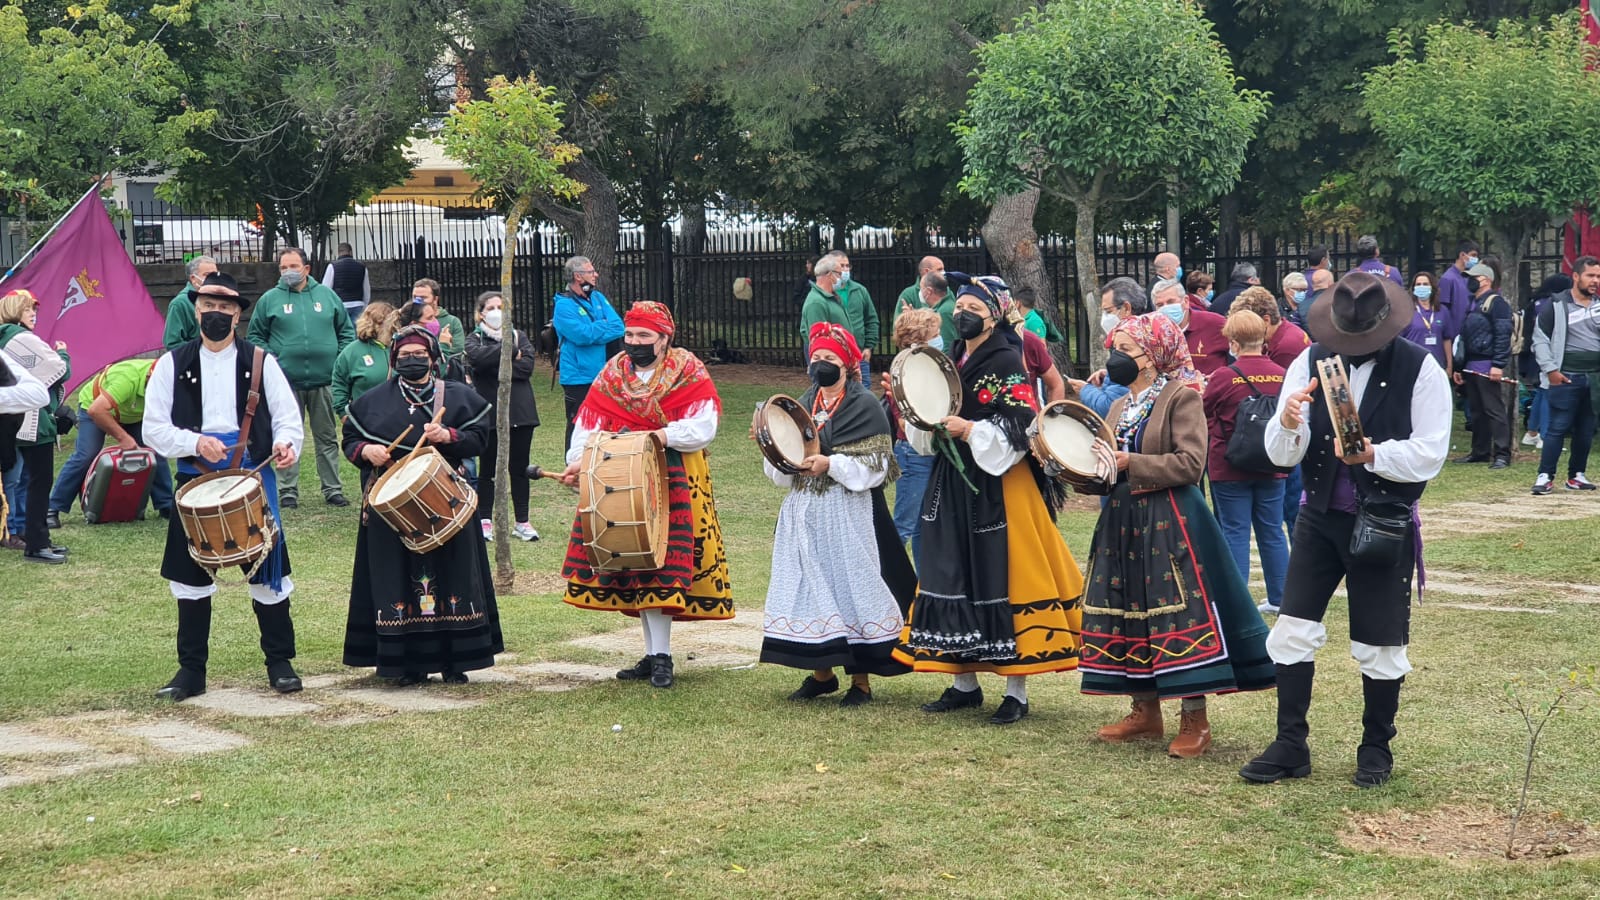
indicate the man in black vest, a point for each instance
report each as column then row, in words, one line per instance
column 220, row 403
column 1402, row 399
column 349, row 279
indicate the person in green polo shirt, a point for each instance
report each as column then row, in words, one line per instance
column 304, row 325
column 931, row 292
column 364, row 365
column 183, row 325
column 111, row 404
column 836, row 298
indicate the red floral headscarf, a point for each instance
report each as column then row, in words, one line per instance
column 828, row 336
column 652, row 315
column 1163, row 342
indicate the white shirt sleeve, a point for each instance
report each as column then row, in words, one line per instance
column 327, row 277
column 287, row 427
column 366, row 286
column 920, row 439
column 580, row 436
column 1285, row 447
column 854, row 474
column 991, row 450
column 159, row 433
column 1420, row 457
column 27, row 395
column 778, row 478
column 694, row 432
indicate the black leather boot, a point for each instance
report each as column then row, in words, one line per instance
column 277, row 645
column 1289, row 756
column 194, row 639
column 1374, row 762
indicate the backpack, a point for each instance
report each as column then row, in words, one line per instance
column 1247, row 446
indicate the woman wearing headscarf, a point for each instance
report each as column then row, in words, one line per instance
column 412, row 613
column 828, row 601
column 1166, row 614
column 998, row 592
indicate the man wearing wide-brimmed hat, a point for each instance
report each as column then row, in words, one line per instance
column 218, row 403
column 1357, row 523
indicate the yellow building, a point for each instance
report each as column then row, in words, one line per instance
column 435, row 179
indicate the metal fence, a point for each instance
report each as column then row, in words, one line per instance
column 460, row 246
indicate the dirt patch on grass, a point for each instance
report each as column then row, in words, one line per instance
column 536, row 583
column 1469, row 834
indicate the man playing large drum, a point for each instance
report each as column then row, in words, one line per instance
column 219, row 403
column 412, row 613
column 653, row 386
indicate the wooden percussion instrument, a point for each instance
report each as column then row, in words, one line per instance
column 622, row 501
column 423, row 499
column 925, row 386
column 227, row 519
column 1348, row 439
column 1062, row 439
column 786, row 433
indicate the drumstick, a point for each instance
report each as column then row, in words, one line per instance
column 390, row 449
column 539, row 472
column 423, row 442
column 242, row 481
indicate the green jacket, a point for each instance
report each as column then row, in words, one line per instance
column 47, row 421
column 182, row 325
column 361, row 366
column 911, row 298
column 305, row 330
column 852, row 308
column 458, row 334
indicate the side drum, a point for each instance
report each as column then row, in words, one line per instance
column 226, row 517
column 622, row 501
column 424, row 500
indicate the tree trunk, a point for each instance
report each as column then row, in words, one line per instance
column 691, row 244
column 1514, row 240
column 1088, row 280
column 594, row 226
column 1227, row 232
column 505, row 573
column 1009, row 236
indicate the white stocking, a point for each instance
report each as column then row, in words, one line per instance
column 649, row 643
column 658, row 631
column 967, row 682
column 1017, row 686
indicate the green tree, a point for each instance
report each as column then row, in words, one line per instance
column 511, row 144
column 82, row 95
column 1499, row 125
column 1103, row 101
column 313, row 100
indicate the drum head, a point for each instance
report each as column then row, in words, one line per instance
column 210, row 492
column 925, row 385
column 785, row 433
column 411, row 471
column 1067, row 430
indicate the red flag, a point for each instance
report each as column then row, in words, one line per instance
column 90, row 295
column 1583, row 237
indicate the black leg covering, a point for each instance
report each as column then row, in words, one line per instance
column 1289, row 756
column 277, row 636
column 194, row 640
column 1374, row 762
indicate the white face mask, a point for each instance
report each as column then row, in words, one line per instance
column 1109, row 321
column 493, row 318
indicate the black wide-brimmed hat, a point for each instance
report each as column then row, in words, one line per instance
column 1363, row 313
column 222, row 286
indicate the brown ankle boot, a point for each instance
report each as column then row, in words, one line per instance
column 1144, row 721
column 1194, row 736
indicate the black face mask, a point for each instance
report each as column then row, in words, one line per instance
column 825, row 374
column 412, row 368
column 1362, row 359
column 643, row 355
column 216, row 325
column 968, row 325
column 1121, row 368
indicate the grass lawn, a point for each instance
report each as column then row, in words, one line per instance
column 721, row 788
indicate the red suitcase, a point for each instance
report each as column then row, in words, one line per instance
column 117, row 486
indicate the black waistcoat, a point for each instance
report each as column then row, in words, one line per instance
column 188, row 406
column 1385, row 413
column 349, row 276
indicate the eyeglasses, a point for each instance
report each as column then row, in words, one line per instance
column 403, row 355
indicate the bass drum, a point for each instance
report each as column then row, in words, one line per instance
column 622, row 501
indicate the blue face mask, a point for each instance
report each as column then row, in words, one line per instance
column 1174, row 311
column 1210, row 292
column 936, row 342
column 1178, row 275
column 1422, row 291
column 1471, row 261
column 1299, row 297
column 844, row 277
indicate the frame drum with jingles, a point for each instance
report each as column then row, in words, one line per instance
column 226, row 518
column 1348, row 438
column 622, row 501
column 423, row 499
column 1062, row 439
column 925, row 385
column 786, row 433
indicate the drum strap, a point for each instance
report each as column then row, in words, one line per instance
column 252, row 400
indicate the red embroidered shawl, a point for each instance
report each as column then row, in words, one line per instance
column 619, row 400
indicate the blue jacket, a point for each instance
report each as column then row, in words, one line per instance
column 585, row 327
column 1100, row 398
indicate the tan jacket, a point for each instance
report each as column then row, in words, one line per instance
column 1174, row 448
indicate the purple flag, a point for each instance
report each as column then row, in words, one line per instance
column 90, row 295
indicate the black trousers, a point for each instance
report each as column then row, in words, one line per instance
column 1380, row 598
column 1491, row 421
column 574, row 395
column 38, row 464
column 521, row 454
